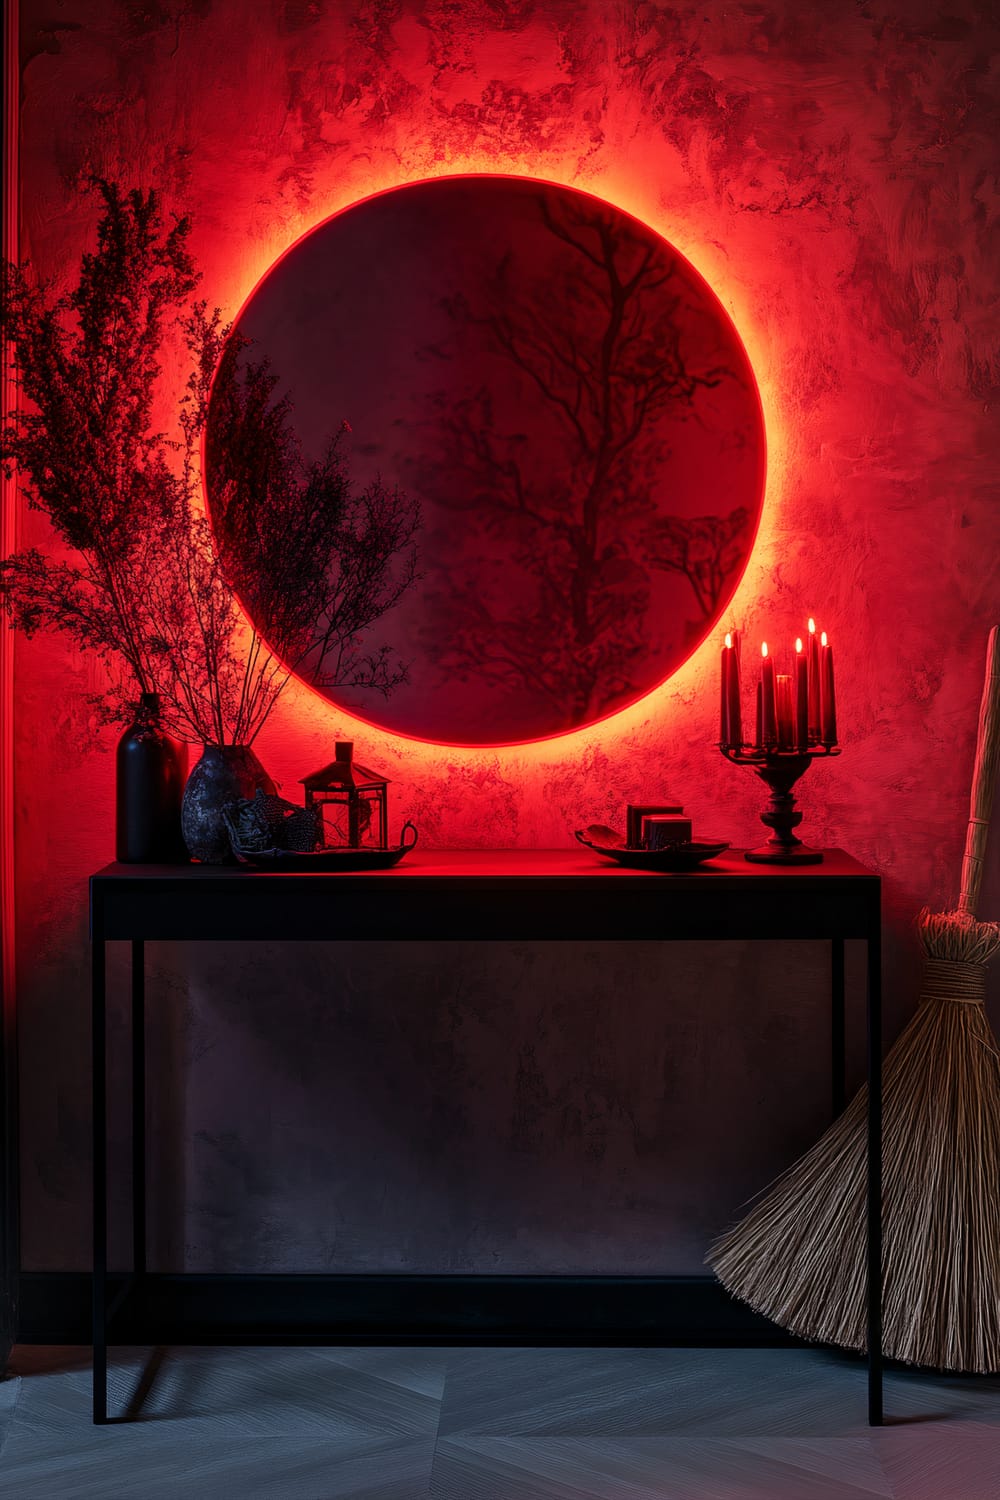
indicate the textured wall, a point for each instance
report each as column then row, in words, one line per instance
column 831, row 170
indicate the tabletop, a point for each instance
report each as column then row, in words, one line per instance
column 488, row 893
column 521, row 864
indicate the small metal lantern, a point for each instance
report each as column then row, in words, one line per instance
column 351, row 802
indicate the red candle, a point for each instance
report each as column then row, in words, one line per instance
column 724, row 695
column 769, row 725
column 783, row 708
column 828, row 697
column 732, row 716
column 815, row 715
column 759, row 737
column 801, row 697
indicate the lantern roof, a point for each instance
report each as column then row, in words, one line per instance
column 344, row 771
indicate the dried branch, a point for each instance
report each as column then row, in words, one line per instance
column 151, row 593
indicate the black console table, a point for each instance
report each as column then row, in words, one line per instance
column 509, row 894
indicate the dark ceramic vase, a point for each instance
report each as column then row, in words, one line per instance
column 150, row 768
column 223, row 774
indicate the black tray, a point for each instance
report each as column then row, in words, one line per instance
column 327, row 860
column 674, row 859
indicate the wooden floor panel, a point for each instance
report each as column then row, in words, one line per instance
column 494, row 1424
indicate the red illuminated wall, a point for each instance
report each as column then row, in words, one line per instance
column 831, row 171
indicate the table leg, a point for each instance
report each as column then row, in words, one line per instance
column 99, row 1334
column 874, row 1215
column 138, row 1108
column 838, row 1046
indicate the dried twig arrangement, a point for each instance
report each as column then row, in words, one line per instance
column 145, row 585
column 799, row 1255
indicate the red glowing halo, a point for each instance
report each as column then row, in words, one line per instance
column 486, row 301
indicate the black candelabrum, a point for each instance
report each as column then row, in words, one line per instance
column 780, row 770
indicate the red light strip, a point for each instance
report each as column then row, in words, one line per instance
column 9, row 532
column 9, row 518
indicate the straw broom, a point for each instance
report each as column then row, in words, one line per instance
column 799, row 1255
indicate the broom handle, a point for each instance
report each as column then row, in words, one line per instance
column 984, row 779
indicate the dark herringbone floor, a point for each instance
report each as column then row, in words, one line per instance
column 495, row 1424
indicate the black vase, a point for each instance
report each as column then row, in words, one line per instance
column 224, row 774
column 150, row 769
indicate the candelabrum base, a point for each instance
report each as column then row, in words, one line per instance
column 780, row 770
column 771, row 854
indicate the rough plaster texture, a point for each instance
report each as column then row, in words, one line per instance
column 832, row 171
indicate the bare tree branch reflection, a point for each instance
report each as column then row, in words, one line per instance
column 607, row 354
column 708, row 550
column 316, row 561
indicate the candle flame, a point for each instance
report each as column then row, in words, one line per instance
column 812, row 626
column 822, row 639
column 763, row 648
column 798, row 643
column 729, row 639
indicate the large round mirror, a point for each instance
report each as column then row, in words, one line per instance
column 486, row 459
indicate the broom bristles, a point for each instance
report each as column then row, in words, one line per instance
column 799, row 1255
